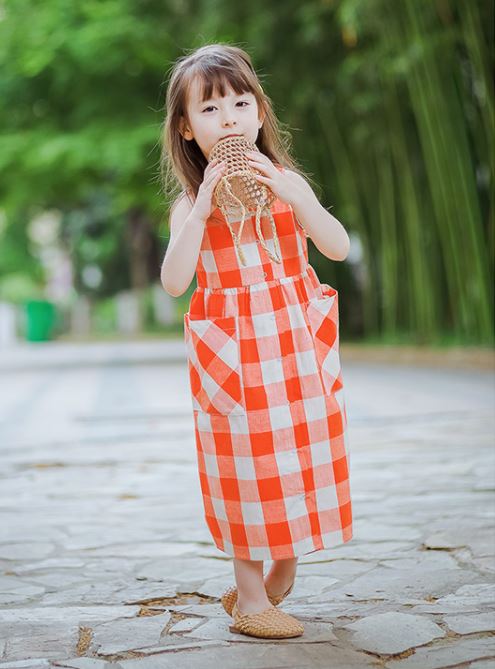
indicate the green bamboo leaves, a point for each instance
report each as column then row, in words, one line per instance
column 409, row 128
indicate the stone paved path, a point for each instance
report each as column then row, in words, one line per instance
column 106, row 561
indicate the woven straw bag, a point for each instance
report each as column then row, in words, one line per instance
column 238, row 192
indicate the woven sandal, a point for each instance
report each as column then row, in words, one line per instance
column 272, row 623
column 229, row 598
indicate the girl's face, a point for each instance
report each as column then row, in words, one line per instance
column 213, row 119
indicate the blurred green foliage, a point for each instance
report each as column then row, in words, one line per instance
column 391, row 108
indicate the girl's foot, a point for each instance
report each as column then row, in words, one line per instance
column 249, row 606
column 268, row 624
column 280, row 579
column 278, row 588
column 229, row 598
column 279, row 598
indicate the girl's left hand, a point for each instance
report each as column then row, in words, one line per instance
column 279, row 182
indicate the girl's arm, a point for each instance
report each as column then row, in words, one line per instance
column 181, row 258
column 328, row 234
column 187, row 226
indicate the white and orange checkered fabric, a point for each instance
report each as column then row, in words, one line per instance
column 267, row 395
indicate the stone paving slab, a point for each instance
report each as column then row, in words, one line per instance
column 36, row 663
column 450, row 653
column 373, row 632
column 256, row 655
column 106, row 560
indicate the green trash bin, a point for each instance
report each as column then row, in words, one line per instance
column 41, row 316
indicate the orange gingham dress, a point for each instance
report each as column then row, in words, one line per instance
column 262, row 344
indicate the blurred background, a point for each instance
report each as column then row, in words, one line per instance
column 390, row 105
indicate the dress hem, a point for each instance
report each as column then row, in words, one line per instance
column 326, row 545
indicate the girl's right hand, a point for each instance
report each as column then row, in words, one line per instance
column 204, row 205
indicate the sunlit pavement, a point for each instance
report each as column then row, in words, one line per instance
column 107, row 562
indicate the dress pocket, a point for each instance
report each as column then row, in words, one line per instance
column 214, row 364
column 323, row 317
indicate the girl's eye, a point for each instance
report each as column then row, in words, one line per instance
column 241, row 102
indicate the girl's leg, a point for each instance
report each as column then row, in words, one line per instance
column 251, row 593
column 281, row 576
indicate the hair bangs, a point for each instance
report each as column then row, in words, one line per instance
column 215, row 79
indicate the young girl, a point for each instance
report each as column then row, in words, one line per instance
column 262, row 341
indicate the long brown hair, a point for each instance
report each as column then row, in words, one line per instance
column 182, row 162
